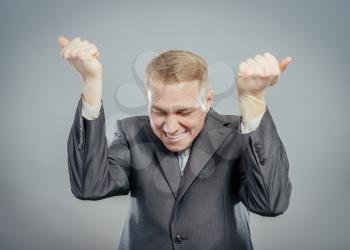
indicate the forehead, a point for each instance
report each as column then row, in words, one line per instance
column 174, row 96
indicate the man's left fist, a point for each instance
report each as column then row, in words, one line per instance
column 254, row 75
column 252, row 79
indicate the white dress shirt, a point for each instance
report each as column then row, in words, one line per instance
column 91, row 112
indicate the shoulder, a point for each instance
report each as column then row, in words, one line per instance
column 137, row 119
column 135, row 128
column 230, row 121
column 133, row 122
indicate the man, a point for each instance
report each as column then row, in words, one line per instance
column 193, row 175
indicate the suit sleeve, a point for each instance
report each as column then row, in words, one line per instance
column 97, row 171
column 264, row 184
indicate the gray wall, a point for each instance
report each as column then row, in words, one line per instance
column 40, row 91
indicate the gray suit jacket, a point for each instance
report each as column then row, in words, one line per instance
column 227, row 175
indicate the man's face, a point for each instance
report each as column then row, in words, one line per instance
column 177, row 112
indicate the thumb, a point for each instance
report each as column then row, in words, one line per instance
column 284, row 63
column 62, row 41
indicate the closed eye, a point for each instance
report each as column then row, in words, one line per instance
column 159, row 112
column 185, row 112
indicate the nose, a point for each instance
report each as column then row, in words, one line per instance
column 171, row 125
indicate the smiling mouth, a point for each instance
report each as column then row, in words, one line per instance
column 177, row 137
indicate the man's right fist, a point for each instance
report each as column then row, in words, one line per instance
column 83, row 56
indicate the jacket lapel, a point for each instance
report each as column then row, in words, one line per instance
column 204, row 146
column 169, row 166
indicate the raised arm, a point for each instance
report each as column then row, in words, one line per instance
column 96, row 171
column 265, row 187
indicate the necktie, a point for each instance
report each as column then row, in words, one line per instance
column 182, row 160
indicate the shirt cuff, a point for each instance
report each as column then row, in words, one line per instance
column 247, row 127
column 90, row 112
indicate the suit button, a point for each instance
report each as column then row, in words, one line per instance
column 257, row 145
column 178, row 239
column 262, row 161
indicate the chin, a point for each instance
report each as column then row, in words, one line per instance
column 176, row 147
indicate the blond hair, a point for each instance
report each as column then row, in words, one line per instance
column 175, row 66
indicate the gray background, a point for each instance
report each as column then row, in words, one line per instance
column 40, row 91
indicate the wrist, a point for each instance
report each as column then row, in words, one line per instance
column 92, row 90
column 91, row 81
column 251, row 107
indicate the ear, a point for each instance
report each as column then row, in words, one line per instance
column 209, row 99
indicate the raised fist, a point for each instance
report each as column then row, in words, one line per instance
column 252, row 79
column 83, row 55
column 255, row 75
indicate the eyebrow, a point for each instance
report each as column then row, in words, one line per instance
column 177, row 108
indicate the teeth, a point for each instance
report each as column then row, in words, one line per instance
column 176, row 137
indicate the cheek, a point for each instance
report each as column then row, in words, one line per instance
column 200, row 122
column 157, row 122
column 193, row 124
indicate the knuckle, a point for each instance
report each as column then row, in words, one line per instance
column 80, row 44
column 66, row 53
column 80, row 54
column 250, row 60
column 267, row 53
column 251, row 73
column 74, row 49
column 76, row 39
column 74, row 54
